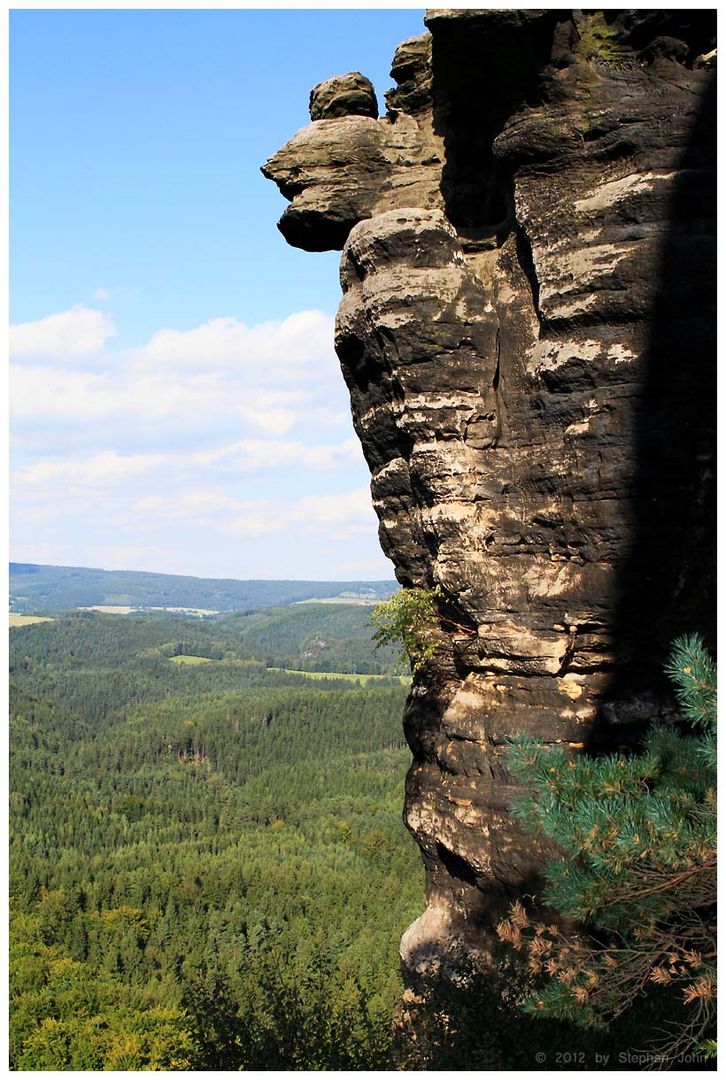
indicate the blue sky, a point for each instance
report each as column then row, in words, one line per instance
column 176, row 404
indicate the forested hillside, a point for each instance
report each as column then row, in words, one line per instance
column 208, row 866
column 57, row 588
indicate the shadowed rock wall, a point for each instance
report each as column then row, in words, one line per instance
column 527, row 334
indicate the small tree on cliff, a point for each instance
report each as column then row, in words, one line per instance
column 639, row 873
column 410, row 619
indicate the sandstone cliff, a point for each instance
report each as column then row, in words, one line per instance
column 527, row 334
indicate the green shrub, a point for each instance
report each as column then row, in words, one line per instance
column 408, row 619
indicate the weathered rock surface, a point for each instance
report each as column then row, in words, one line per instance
column 338, row 172
column 343, row 95
column 411, row 71
column 527, row 333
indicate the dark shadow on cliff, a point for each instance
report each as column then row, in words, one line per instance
column 474, row 1023
column 666, row 582
column 666, row 586
column 485, row 67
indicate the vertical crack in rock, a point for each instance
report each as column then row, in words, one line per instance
column 527, row 335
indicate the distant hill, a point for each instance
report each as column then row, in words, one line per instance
column 320, row 637
column 36, row 588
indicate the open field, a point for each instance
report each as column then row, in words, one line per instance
column 26, row 620
column 192, row 660
column 184, row 610
column 123, row 609
column 347, row 675
column 110, row 609
column 359, row 601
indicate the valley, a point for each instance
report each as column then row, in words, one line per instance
column 208, row 863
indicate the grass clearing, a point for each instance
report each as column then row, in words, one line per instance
column 27, row 620
column 200, row 611
column 359, row 601
column 192, row 660
column 347, row 675
column 110, row 609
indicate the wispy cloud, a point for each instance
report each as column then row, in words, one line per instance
column 109, row 470
column 100, row 472
column 340, row 516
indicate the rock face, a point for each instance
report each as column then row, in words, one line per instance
column 527, row 334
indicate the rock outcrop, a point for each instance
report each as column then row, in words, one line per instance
column 527, row 334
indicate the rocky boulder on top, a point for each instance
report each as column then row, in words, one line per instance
column 343, row 95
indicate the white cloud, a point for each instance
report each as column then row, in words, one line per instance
column 76, row 334
column 211, row 508
column 40, row 394
column 340, row 516
column 108, row 469
column 364, row 569
column 223, row 375
column 329, row 509
column 269, row 352
column 102, row 294
column 214, row 450
column 100, row 471
column 187, row 403
column 254, row 521
column 257, row 454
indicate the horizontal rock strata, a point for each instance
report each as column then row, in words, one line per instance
column 526, row 332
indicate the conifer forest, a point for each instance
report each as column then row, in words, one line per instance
column 208, row 864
